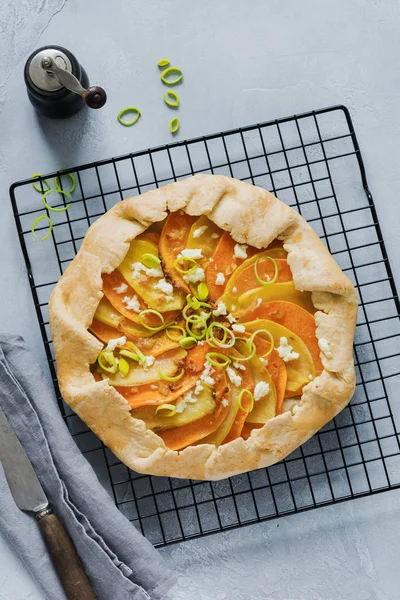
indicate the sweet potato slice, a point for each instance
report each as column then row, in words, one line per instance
column 247, row 279
column 248, row 428
column 108, row 315
column 112, row 282
column 292, row 317
column 173, row 240
column 204, row 406
column 104, row 332
column 168, row 392
column 180, row 437
column 225, row 262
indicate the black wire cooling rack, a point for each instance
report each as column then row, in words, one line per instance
column 312, row 162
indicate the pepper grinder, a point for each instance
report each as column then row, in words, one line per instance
column 57, row 85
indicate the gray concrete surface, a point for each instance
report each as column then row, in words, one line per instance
column 243, row 62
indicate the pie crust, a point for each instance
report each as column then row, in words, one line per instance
column 252, row 216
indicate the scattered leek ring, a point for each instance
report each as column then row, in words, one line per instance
column 36, row 187
column 107, row 357
column 140, row 355
column 185, row 271
column 174, row 378
column 50, row 208
column 212, row 358
column 172, row 94
column 271, row 340
column 58, row 185
column 170, row 408
column 151, row 311
column 169, row 71
column 126, row 110
column 202, row 291
column 197, row 323
column 150, row 261
column 176, row 328
column 123, row 367
column 276, row 273
column 242, row 393
column 129, row 354
column 36, row 221
column 164, row 62
column 213, row 341
column 174, row 125
column 253, row 349
column 188, row 342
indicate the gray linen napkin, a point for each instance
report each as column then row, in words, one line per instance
column 119, row 561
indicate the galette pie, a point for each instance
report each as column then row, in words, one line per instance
column 203, row 330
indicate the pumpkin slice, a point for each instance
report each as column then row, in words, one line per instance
column 299, row 371
column 173, row 240
column 169, row 363
column 204, row 405
column 180, row 437
column 292, row 317
column 264, row 408
column 268, row 293
column 168, row 392
column 249, row 262
column 104, row 332
column 145, row 284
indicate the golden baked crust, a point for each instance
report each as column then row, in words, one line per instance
column 252, row 216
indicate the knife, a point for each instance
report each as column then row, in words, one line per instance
column 29, row 496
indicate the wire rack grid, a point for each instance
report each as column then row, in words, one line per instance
column 312, row 162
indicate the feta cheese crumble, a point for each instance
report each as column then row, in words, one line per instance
column 234, row 289
column 238, row 365
column 261, row 389
column 259, row 302
column 225, row 402
column 214, row 236
column 239, row 328
column 138, row 268
column 231, row 319
column 205, row 377
column 164, row 287
column 121, row 289
column 220, row 310
column 154, row 387
column 147, row 361
column 220, row 279
column 131, row 303
column 112, row 344
column 264, row 361
column 285, row 351
column 191, row 253
column 240, row 251
column 325, row 347
column 195, row 276
column 199, row 231
column 234, row 377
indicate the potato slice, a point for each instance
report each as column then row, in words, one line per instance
column 109, row 316
column 264, row 408
column 204, row 405
column 298, row 370
column 267, row 293
column 145, row 285
column 168, row 363
column 249, row 262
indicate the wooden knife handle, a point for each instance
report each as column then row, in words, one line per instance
column 65, row 557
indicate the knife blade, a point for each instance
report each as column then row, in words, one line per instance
column 25, row 487
column 29, row 496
